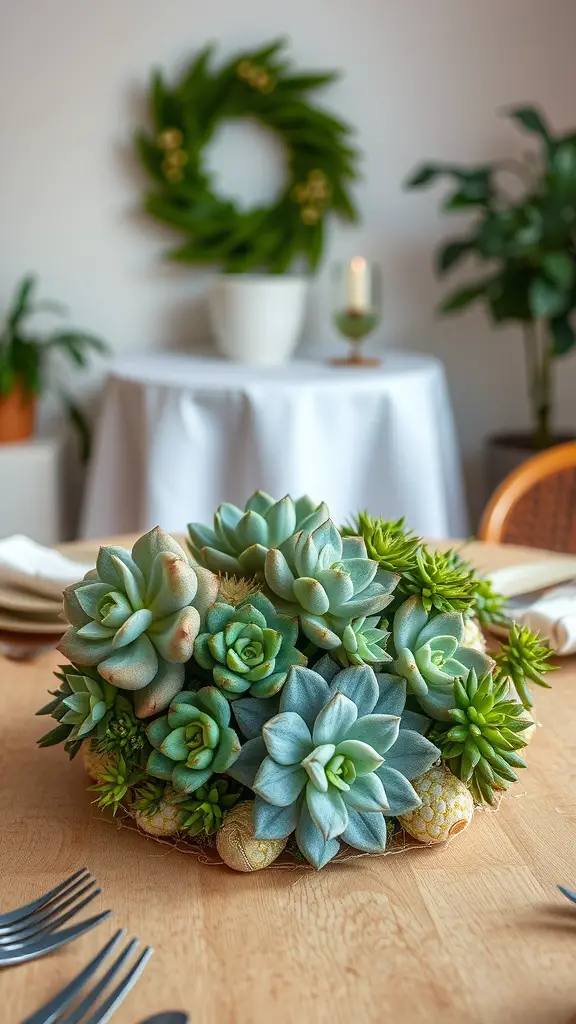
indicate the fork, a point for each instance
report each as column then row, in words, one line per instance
column 31, row 931
column 53, row 1011
column 568, row 893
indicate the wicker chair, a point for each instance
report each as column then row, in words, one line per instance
column 536, row 504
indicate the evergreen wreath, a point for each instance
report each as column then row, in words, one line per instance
column 321, row 161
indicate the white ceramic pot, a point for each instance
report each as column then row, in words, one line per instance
column 258, row 318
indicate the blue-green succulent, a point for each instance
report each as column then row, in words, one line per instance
column 430, row 656
column 241, row 538
column 193, row 741
column 136, row 617
column 363, row 643
column 328, row 581
column 250, row 647
column 333, row 761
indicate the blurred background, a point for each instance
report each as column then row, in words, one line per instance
column 422, row 79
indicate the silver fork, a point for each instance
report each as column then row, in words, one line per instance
column 32, row 931
column 75, row 990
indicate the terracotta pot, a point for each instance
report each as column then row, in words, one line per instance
column 17, row 414
column 504, row 452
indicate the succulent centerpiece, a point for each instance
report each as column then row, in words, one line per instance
column 289, row 685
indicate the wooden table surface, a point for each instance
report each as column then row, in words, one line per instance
column 469, row 932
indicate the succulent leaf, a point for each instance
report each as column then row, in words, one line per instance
column 136, row 612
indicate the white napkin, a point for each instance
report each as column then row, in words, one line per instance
column 553, row 615
column 22, row 557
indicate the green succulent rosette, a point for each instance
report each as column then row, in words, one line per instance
column 327, row 580
column 193, row 741
column 334, row 761
column 82, row 703
column 430, row 656
column 250, row 647
column 136, row 616
column 363, row 643
column 241, row 538
column 481, row 744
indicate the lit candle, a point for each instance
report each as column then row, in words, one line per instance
column 358, row 285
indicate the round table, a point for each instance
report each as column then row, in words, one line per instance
column 179, row 434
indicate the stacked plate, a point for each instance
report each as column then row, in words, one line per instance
column 32, row 579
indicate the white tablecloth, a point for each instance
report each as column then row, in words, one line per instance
column 179, row 434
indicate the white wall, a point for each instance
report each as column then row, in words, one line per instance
column 424, row 78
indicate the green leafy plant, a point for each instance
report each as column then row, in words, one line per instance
column 322, row 163
column 522, row 661
column 529, row 243
column 481, row 744
column 115, row 783
column 24, row 353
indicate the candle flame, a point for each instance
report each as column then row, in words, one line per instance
column 358, row 263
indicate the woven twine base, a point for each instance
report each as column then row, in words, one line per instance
column 204, row 849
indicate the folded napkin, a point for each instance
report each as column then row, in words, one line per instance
column 552, row 614
column 24, row 561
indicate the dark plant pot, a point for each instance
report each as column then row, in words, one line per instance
column 506, row 451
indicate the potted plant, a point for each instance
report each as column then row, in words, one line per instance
column 24, row 355
column 257, row 303
column 528, row 242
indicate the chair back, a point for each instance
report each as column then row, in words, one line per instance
column 535, row 505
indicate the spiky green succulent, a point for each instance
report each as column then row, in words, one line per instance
column 115, row 782
column 430, row 656
column 523, row 660
column 327, row 580
column 193, row 741
column 250, row 647
column 121, row 732
column 241, row 537
column 136, row 616
column 204, row 813
column 481, row 744
column 489, row 605
column 441, row 583
column 388, row 542
column 363, row 643
column 333, row 761
column 149, row 796
column 82, row 702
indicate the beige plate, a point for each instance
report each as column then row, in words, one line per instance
column 14, row 600
column 21, row 624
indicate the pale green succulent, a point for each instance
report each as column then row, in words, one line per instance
column 193, row 741
column 82, row 702
column 363, row 643
column 429, row 655
column 327, row 580
column 136, row 617
column 241, row 537
column 250, row 647
column 334, row 761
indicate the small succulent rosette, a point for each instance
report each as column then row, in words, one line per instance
column 286, row 685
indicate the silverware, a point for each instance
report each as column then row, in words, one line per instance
column 32, row 930
column 170, row 1017
column 95, row 998
column 568, row 893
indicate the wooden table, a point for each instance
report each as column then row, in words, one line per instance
column 470, row 932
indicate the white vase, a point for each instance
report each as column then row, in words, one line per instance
column 258, row 318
